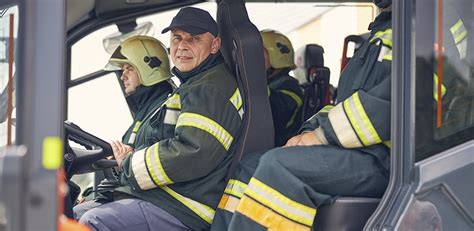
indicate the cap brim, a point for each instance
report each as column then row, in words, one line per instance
column 189, row 29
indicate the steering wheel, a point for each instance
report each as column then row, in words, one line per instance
column 90, row 158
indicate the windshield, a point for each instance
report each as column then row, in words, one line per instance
column 8, row 35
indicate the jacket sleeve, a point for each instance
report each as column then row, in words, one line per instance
column 207, row 126
column 361, row 120
column 316, row 120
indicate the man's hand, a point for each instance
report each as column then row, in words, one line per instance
column 120, row 151
column 304, row 139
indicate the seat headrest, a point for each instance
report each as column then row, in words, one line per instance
column 308, row 57
column 314, row 56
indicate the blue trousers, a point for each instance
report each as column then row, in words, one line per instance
column 289, row 184
column 126, row 215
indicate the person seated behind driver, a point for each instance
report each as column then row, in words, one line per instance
column 284, row 91
column 147, row 79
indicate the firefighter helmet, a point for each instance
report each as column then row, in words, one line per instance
column 147, row 55
column 279, row 49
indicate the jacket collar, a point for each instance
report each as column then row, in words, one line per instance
column 211, row 61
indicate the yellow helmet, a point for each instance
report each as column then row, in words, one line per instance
column 147, row 55
column 279, row 49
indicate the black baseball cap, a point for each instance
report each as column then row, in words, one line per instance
column 194, row 21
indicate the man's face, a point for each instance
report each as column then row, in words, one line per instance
column 188, row 51
column 130, row 78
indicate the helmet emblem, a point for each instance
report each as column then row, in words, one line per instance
column 283, row 48
column 152, row 61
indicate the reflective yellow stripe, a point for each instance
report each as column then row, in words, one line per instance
column 137, row 126
column 435, row 88
column 275, row 200
column 269, row 92
column 360, row 121
column 207, row 125
column 326, row 109
column 459, row 31
column 228, row 203
column 155, row 167
column 388, row 143
column 173, row 102
column 343, row 128
column 385, row 36
column 202, row 210
column 388, row 56
column 298, row 101
column 267, row 217
column 236, row 99
column 236, row 188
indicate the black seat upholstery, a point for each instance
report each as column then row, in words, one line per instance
column 345, row 214
column 316, row 89
column 242, row 49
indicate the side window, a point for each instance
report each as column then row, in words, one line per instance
column 98, row 106
column 8, row 35
column 445, row 110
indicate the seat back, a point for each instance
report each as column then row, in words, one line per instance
column 345, row 214
column 358, row 40
column 242, row 49
column 316, row 87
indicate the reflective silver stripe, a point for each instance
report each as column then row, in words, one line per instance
column 202, row 210
column 361, row 123
column 235, row 188
column 343, row 128
column 173, row 102
column 154, row 166
column 388, row 56
column 241, row 112
column 171, row 116
column 383, row 52
column 236, row 99
column 140, row 171
column 280, row 203
column 207, row 125
column 131, row 139
column 459, row 32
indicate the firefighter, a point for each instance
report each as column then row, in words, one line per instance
column 284, row 91
column 343, row 150
column 147, row 80
column 146, row 77
column 176, row 183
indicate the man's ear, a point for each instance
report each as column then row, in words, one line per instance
column 216, row 45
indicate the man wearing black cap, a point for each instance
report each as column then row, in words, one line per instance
column 180, row 178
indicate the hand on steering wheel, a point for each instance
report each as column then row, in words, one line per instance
column 120, row 151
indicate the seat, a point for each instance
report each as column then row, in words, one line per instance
column 358, row 40
column 316, row 87
column 242, row 49
column 345, row 214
